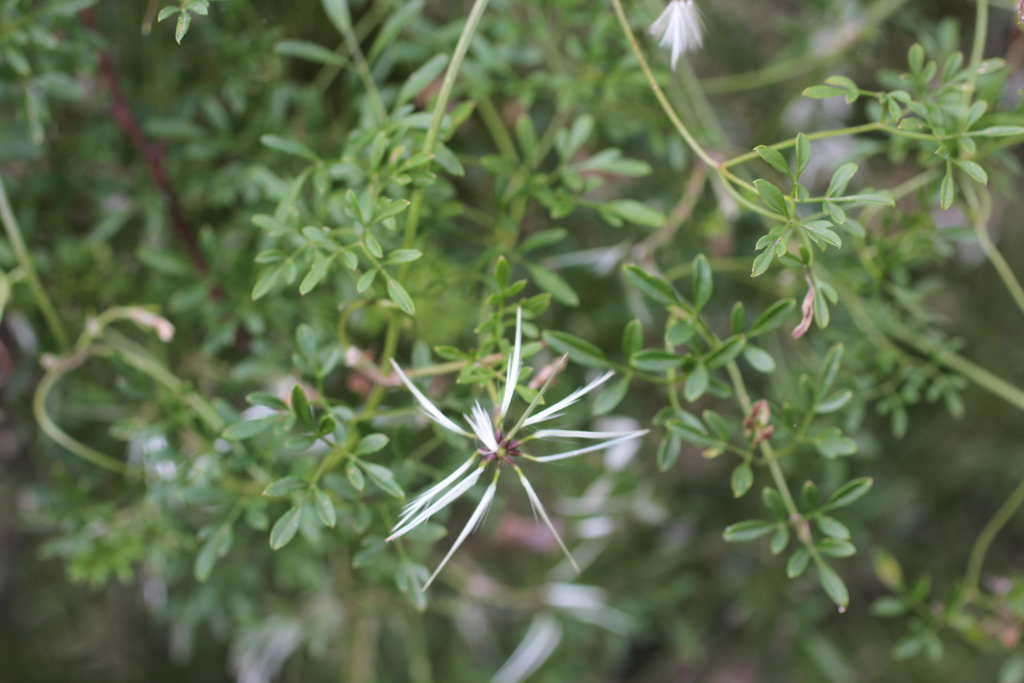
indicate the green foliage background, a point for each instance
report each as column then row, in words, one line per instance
column 246, row 184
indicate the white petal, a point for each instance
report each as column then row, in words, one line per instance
column 540, row 641
column 482, row 427
column 442, row 502
column 432, row 411
column 552, row 411
column 681, row 28
column 588, row 449
column 474, row 520
column 539, row 509
column 417, row 503
column 512, row 375
column 571, row 434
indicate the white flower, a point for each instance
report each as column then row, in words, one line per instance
column 680, row 27
column 498, row 446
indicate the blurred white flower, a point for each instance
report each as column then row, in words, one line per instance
column 501, row 448
column 681, row 28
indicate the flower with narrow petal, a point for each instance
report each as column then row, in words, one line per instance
column 681, row 28
column 500, row 447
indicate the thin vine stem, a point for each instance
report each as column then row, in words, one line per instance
column 28, row 267
column 412, row 222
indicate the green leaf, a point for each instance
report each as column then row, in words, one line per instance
column 823, row 230
column 371, row 444
column 403, row 256
column 780, row 540
column 841, row 179
column 653, row 287
column 833, row 585
column 383, row 477
column 803, row 149
column 184, row 21
column 680, row 332
column 579, row 350
column 947, row 192
column 543, row 238
column 809, row 495
column 668, row 452
column 797, row 563
column 366, row 280
column 972, row 169
column 315, row 274
column 426, row 533
column 215, row 547
column 697, row 382
column 553, row 283
column 834, row 403
column 727, row 352
column 338, row 12
column 759, row 359
column 167, row 12
column 303, row 49
column 292, row 147
column 285, row 528
column 266, row 282
column 400, row 296
column 762, row 261
column 703, row 285
column 354, row 475
column 773, row 501
column 773, row 157
column 836, row 547
column 421, row 78
column 325, row 508
column 823, row 92
column 284, row 486
column 654, row 360
column 632, row 337
column 250, row 428
column 772, row 196
column 742, row 479
column 829, row 369
column 637, row 212
column 265, row 399
column 850, row 493
column 750, row 530
column 738, row 318
column 773, row 318
column 832, row 444
column 998, row 132
column 611, row 395
column 830, row 526
column 300, row 406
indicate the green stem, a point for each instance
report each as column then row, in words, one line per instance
column 980, row 32
column 29, row 269
column 412, row 222
column 658, row 93
column 980, row 211
column 364, row 69
column 977, row 557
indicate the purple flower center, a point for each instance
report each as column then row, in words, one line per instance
column 507, row 449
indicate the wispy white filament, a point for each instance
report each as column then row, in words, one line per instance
column 512, row 375
column 552, row 411
column 681, row 28
column 429, row 408
column 441, row 503
column 417, row 503
column 588, row 449
column 473, row 522
column 539, row 509
column 481, row 424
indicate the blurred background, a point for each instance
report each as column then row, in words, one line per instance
column 134, row 167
